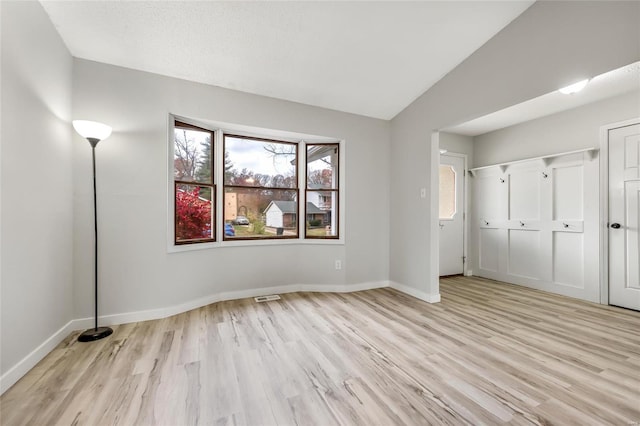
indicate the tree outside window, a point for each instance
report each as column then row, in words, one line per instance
column 194, row 189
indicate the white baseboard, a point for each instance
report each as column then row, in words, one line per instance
column 27, row 363
column 418, row 294
column 151, row 314
column 16, row 372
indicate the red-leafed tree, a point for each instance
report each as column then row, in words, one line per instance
column 193, row 215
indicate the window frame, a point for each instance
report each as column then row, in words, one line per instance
column 455, row 195
column 178, row 124
column 219, row 129
column 336, row 190
column 241, row 187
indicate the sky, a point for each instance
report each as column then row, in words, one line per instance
column 252, row 155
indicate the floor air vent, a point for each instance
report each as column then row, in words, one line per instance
column 267, row 298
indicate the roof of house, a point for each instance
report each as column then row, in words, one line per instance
column 292, row 207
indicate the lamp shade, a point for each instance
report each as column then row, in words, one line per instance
column 92, row 129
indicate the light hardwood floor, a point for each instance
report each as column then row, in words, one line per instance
column 489, row 353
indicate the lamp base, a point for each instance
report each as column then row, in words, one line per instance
column 95, row 334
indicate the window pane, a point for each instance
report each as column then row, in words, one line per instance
column 261, row 213
column 193, row 213
column 322, row 166
column 251, row 162
column 192, row 155
column 447, row 192
column 321, row 220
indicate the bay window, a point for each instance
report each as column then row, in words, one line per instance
column 271, row 188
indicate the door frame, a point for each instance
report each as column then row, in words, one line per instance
column 465, row 214
column 604, row 204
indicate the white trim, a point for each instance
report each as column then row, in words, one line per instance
column 16, row 372
column 158, row 313
column 544, row 158
column 418, row 294
column 23, row 366
column 254, row 243
column 604, row 204
column 434, row 215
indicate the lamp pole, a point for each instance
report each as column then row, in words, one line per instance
column 93, row 143
column 94, row 133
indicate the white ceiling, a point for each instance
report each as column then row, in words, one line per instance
column 613, row 83
column 368, row 58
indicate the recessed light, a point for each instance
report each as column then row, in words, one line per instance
column 574, row 88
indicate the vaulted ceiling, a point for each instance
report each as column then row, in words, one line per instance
column 368, row 58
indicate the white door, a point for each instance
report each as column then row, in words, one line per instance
column 451, row 214
column 624, row 216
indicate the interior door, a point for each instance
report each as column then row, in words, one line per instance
column 451, row 214
column 624, row 216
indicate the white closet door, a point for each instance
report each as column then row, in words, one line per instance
column 536, row 224
column 624, row 217
column 451, row 215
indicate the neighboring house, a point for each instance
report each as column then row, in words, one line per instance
column 283, row 214
column 241, row 204
column 320, row 199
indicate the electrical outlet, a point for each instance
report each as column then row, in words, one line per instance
column 338, row 265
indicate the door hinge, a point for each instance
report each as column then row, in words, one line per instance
column 464, row 259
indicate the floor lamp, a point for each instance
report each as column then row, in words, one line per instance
column 94, row 133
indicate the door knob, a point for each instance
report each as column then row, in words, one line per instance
column 615, row 225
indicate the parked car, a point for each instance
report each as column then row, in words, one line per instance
column 241, row 220
column 229, row 231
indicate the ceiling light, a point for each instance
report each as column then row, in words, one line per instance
column 574, row 88
column 443, row 151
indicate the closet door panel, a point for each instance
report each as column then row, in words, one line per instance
column 489, row 249
column 568, row 259
column 568, row 189
column 490, row 196
column 524, row 195
column 524, row 253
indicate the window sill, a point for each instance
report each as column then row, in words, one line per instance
column 172, row 248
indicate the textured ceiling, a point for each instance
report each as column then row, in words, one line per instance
column 368, row 58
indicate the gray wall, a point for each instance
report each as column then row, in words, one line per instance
column 137, row 272
column 548, row 46
column 460, row 144
column 565, row 131
column 36, row 182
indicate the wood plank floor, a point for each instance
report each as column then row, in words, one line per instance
column 489, row 353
